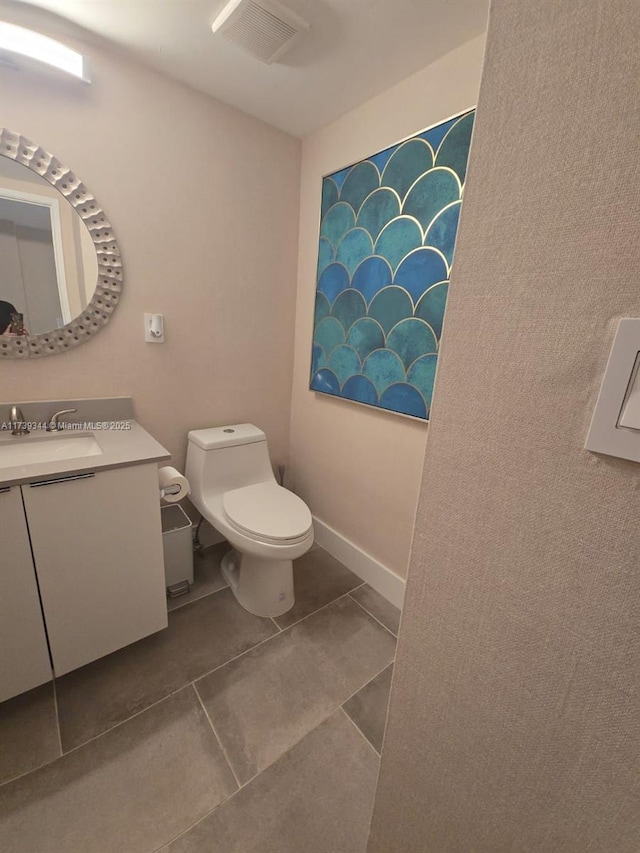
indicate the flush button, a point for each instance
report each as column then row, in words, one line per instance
column 630, row 417
column 228, row 430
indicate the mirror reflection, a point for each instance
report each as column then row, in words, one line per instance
column 48, row 263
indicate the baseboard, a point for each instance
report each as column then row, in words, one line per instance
column 382, row 579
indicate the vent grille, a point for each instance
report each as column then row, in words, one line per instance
column 265, row 29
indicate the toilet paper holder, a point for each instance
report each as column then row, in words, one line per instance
column 172, row 485
column 170, row 490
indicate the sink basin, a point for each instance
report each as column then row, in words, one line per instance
column 55, row 447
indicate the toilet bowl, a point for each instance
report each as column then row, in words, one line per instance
column 267, row 526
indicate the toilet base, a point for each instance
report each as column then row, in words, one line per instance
column 263, row 587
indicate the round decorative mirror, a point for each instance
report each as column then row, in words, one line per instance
column 60, row 268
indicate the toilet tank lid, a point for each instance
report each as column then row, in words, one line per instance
column 226, row 436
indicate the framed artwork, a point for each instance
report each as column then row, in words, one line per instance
column 387, row 234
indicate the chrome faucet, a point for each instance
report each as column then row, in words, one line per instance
column 54, row 423
column 17, row 421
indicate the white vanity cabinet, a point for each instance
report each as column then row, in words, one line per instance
column 24, row 656
column 97, row 547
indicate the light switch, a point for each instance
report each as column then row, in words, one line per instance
column 615, row 426
column 630, row 417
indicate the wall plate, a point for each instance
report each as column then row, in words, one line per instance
column 606, row 433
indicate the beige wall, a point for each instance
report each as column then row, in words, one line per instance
column 359, row 468
column 515, row 713
column 203, row 200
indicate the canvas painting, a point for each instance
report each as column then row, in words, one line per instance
column 387, row 234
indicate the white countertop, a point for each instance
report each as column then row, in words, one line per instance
column 131, row 445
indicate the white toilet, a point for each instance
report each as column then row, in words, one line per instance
column 233, row 487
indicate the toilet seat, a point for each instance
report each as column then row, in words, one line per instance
column 267, row 512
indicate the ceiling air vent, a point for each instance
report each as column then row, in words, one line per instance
column 264, row 28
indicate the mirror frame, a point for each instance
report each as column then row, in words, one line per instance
column 109, row 282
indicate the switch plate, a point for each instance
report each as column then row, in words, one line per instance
column 630, row 417
column 615, row 426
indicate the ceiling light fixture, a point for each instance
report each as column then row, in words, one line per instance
column 23, row 42
column 264, row 28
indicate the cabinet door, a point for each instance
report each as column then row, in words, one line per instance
column 24, row 656
column 97, row 547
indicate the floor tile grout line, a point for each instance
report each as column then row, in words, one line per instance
column 386, row 716
column 122, row 722
column 193, row 684
column 313, row 612
column 235, row 657
column 168, row 695
column 211, row 671
column 384, row 737
column 238, row 789
column 260, row 772
column 215, row 734
column 242, row 654
column 395, row 636
column 45, row 763
column 378, row 768
column 57, row 712
column 28, row 772
column 384, row 731
column 360, row 732
column 266, row 640
column 199, row 598
column 255, row 776
column 373, row 678
column 206, row 674
column 324, row 719
column 219, row 805
column 335, row 710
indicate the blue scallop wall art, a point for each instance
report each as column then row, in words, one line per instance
column 387, row 233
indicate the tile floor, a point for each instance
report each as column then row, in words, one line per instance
column 226, row 732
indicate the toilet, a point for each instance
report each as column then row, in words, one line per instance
column 233, row 487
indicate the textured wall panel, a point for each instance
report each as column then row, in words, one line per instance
column 515, row 712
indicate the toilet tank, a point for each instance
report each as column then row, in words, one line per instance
column 228, row 457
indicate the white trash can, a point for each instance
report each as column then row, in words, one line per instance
column 178, row 549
